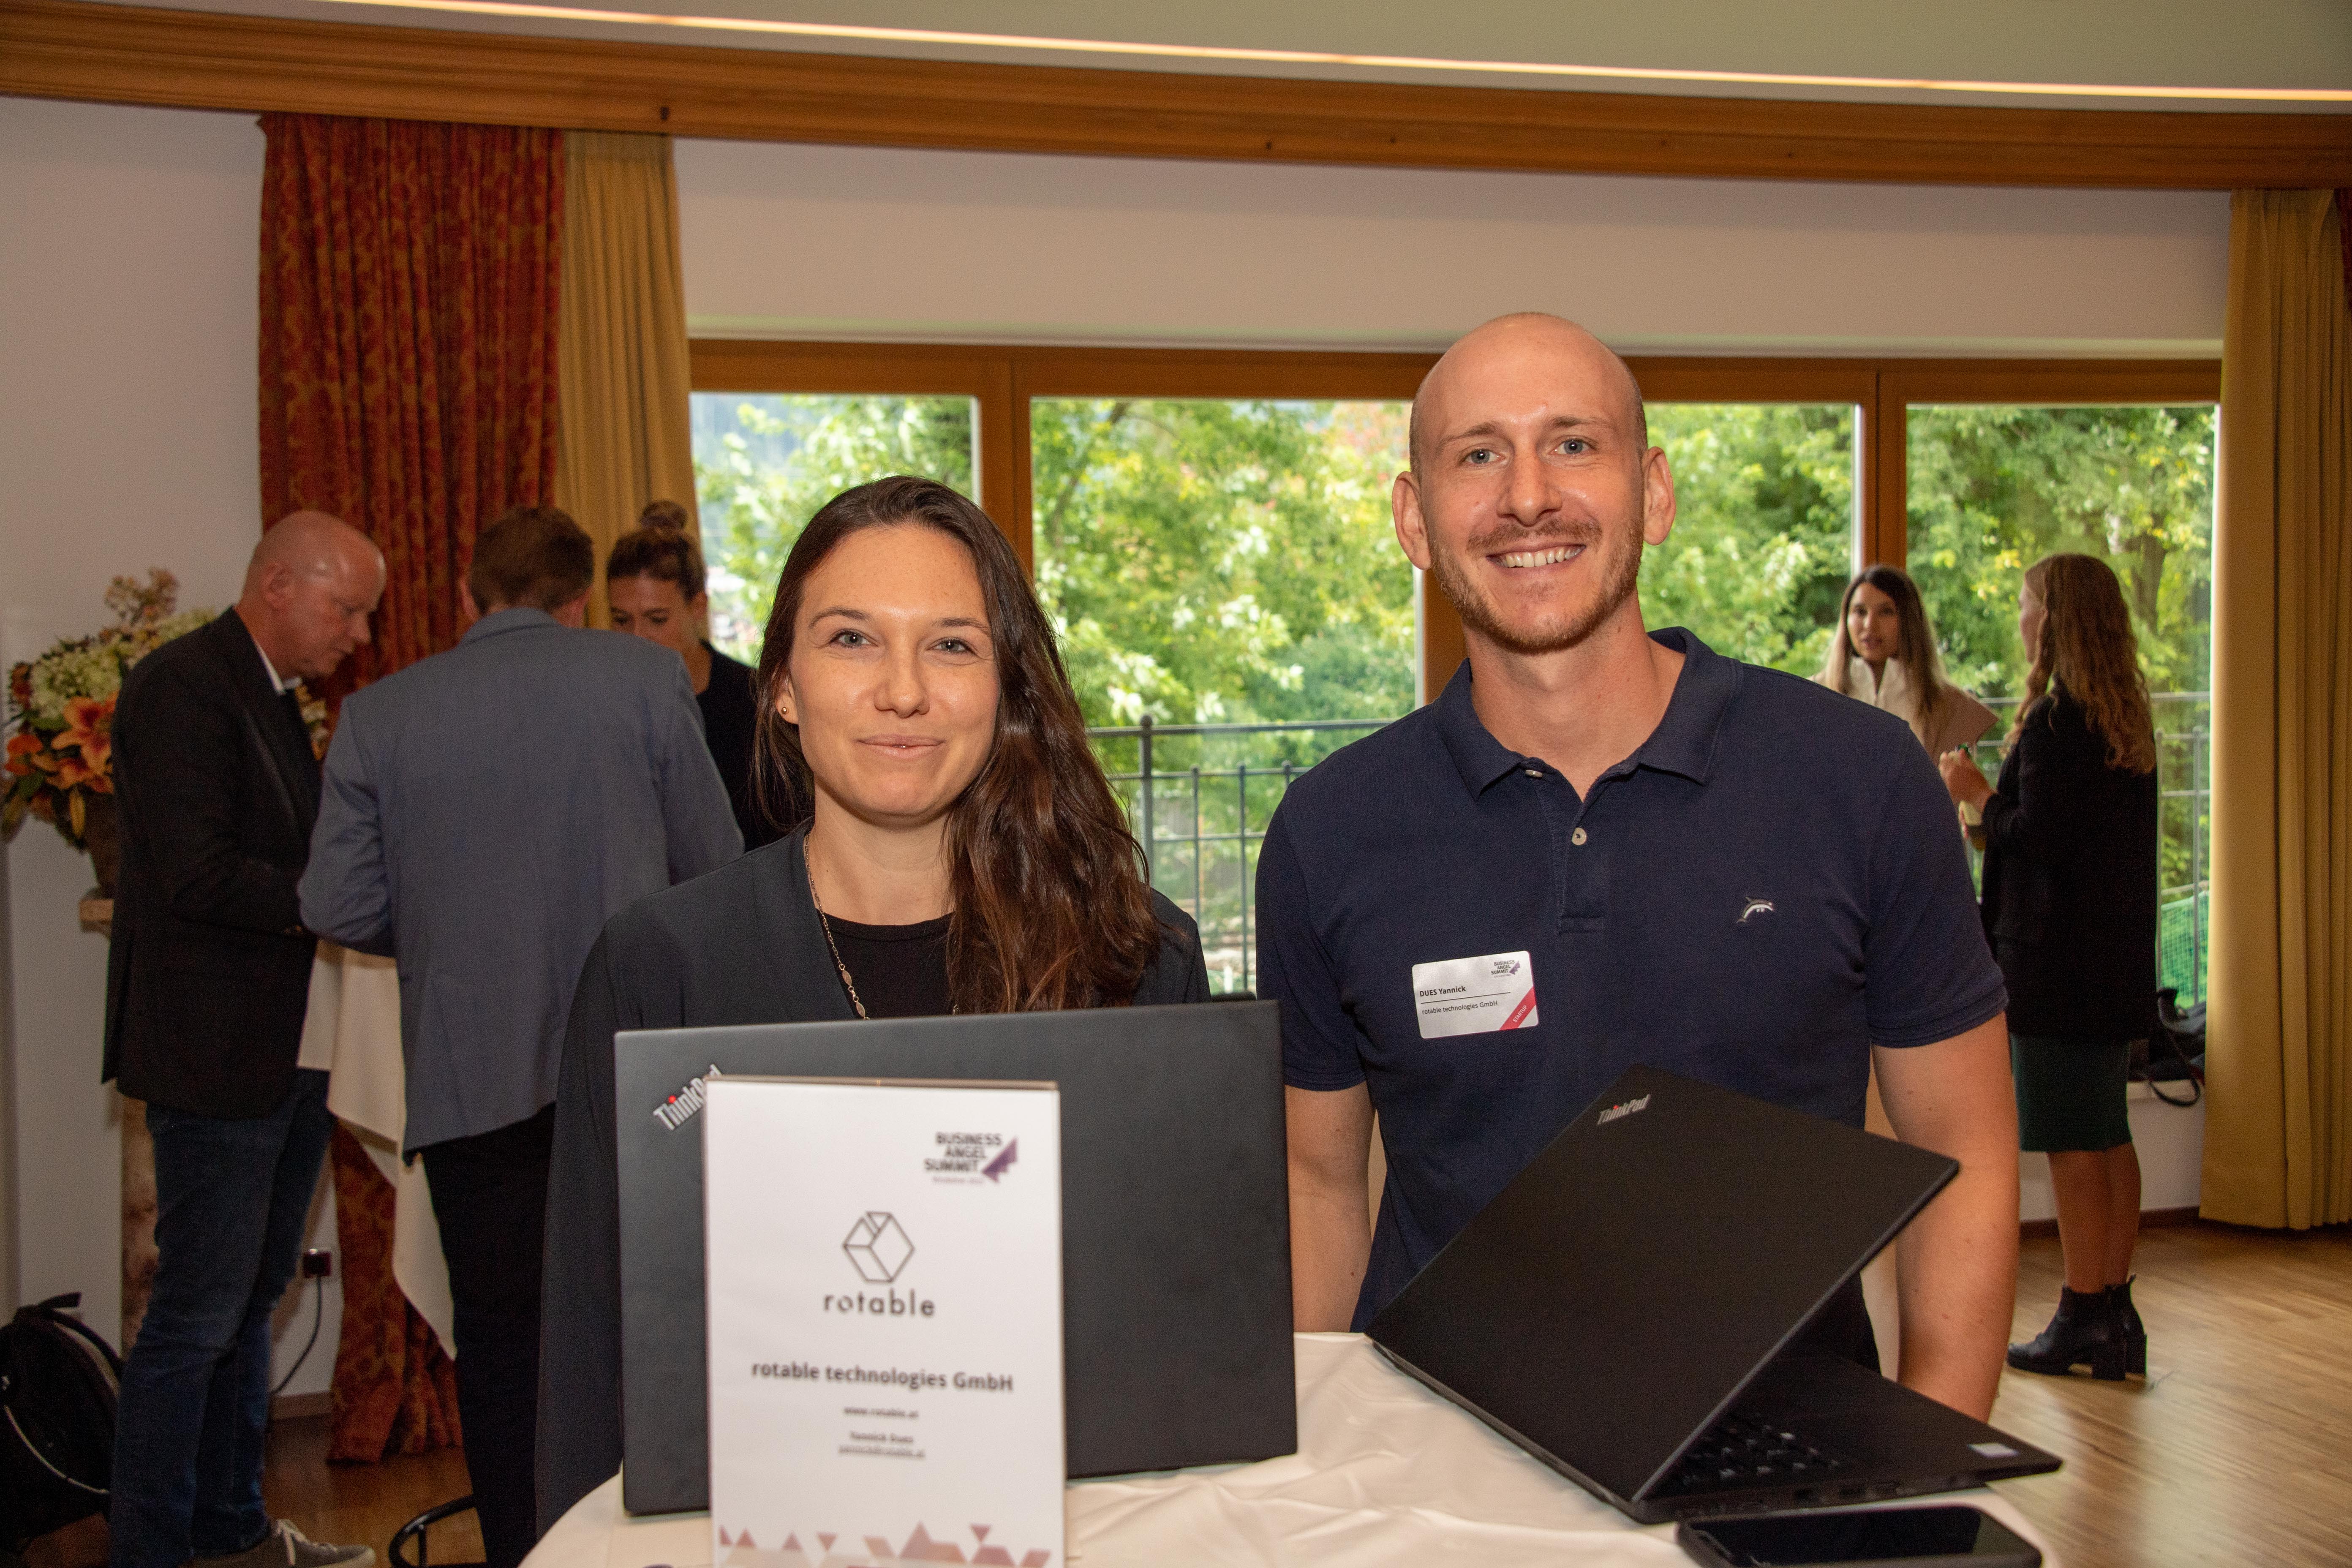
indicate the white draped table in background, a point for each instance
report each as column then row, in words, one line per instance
column 353, row 1028
column 1387, row 1475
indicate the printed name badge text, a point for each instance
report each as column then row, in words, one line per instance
column 1474, row 996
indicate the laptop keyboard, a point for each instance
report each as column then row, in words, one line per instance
column 1740, row 1449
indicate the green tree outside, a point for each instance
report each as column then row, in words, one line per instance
column 764, row 463
column 1225, row 561
column 1763, row 537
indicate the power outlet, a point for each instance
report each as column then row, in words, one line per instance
column 318, row 1263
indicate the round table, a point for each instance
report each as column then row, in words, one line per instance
column 1387, row 1474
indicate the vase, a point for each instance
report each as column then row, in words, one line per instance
column 101, row 836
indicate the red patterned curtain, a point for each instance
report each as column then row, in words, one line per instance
column 409, row 275
column 408, row 292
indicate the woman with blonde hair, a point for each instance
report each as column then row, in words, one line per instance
column 1884, row 652
column 2070, row 905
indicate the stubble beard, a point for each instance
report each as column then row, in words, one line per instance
column 1621, row 575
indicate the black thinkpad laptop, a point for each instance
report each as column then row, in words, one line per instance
column 1175, row 1223
column 1621, row 1311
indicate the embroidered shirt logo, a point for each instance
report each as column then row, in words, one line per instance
column 1757, row 907
column 1618, row 1112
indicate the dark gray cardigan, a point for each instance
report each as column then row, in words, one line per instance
column 741, row 945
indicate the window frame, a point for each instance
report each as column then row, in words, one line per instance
column 1002, row 378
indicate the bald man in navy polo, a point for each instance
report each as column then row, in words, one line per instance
column 1600, row 846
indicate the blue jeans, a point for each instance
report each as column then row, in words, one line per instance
column 233, row 1199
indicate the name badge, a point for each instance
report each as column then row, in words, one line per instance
column 1474, row 996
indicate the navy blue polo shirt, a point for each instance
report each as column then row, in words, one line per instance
column 1772, row 883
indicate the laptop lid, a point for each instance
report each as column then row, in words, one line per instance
column 1618, row 1295
column 1175, row 1221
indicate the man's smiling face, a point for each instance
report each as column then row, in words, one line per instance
column 1534, row 487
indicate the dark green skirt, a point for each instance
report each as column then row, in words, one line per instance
column 2070, row 1095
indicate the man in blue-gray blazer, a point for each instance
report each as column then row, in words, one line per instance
column 485, row 812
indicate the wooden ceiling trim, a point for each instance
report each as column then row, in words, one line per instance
column 119, row 54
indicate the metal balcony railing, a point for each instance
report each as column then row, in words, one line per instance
column 1199, row 797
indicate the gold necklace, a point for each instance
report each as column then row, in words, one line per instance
column 833, row 947
column 825, row 925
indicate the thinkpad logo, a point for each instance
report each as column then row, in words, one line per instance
column 679, row 1108
column 1618, row 1112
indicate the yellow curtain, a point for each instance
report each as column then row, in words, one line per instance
column 623, row 436
column 2278, row 1130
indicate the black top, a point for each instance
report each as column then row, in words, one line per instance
column 729, row 719
column 2069, row 883
column 216, row 791
column 900, row 971
column 1770, row 885
column 739, row 946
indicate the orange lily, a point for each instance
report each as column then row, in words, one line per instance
column 89, row 729
column 27, row 755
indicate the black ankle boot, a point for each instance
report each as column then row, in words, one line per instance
column 2086, row 1331
column 2134, row 1332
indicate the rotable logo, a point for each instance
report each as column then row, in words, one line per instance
column 878, row 1248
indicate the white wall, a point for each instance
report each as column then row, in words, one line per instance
column 127, row 432
column 789, row 241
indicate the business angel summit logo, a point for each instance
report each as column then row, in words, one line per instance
column 966, row 1159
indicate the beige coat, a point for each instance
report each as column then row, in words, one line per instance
column 1964, row 720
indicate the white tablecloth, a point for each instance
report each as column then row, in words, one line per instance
column 352, row 1029
column 1387, row 1474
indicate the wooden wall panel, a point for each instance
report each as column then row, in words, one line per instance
column 106, row 53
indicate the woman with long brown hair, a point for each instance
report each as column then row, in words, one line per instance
column 2070, row 904
column 1884, row 652
column 953, row 846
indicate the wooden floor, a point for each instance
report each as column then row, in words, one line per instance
column 2239, row 1448
column 2237, row 1451
column 364, row 1504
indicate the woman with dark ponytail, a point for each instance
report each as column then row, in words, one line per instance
column 654, row 587
column 950, row 845
column 2070, row 896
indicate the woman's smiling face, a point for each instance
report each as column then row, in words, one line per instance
column 892, row 680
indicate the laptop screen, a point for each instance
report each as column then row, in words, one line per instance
column 1617, row 1294
column 1175, row 1227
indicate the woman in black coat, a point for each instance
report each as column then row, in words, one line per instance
column 2070, row 906
column 957, row 849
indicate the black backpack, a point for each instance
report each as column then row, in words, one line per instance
column 58, row 1382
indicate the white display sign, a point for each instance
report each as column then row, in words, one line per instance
column 884, row 1301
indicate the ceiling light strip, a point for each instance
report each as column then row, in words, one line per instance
column 848, row 31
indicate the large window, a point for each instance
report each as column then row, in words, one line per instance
column 763, row 463
column 1764, row 527
column 1210, row 531
column 1995, row 488
column 1223, row 572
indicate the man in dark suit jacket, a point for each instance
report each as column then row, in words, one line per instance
column 206, row 984
column 486, row 810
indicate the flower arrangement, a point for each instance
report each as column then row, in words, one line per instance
column 60, row 755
